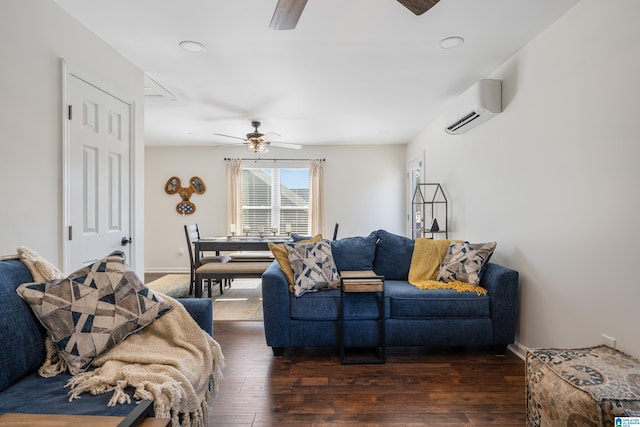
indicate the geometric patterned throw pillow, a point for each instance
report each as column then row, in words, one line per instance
column 313, row 266
column 280, row 254
column 464, row 262
column 93, row 309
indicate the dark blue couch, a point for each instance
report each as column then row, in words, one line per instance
column 413, row 317
column 22, row 352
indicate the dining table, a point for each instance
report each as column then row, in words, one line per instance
column 236, row 244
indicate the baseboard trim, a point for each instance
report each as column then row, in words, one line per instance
column 518, row 349
column 166, row 270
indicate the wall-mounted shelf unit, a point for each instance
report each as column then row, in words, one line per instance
column 429, row 203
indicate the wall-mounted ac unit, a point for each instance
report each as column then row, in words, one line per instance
column 476, row 105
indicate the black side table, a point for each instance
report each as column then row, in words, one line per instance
column 359, row 282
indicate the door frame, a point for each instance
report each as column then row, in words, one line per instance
column 66, row 72
column 411, row 165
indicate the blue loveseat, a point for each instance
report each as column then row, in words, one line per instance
column 413, row 317
column 22, row 352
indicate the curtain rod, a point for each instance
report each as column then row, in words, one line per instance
column 275, row 160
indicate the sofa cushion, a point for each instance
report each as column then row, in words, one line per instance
column 313, row 266
column 464, row 262
column 295, row 237
column 21, row 336
column 393, row 256
column 93, row 309
column 354, row 253
column 408, row 302
column 402, row 301
column 33, row 394
column 325, row 305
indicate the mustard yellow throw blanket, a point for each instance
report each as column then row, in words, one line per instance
column 172, row 361
column 425, row 264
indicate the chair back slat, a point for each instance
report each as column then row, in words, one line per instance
column 192, row 233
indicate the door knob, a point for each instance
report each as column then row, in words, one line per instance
column 125, row 241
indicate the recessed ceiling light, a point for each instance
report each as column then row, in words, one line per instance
column 192, row 47
column 451, row 42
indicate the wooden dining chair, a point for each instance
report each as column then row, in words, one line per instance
column 192, row 233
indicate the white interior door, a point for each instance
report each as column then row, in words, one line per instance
column 98, row 172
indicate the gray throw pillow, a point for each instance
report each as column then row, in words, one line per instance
column 313, row 266
column 93, row 309
column 464, row 262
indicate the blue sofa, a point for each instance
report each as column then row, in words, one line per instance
column 413, row 317
column 22, row 352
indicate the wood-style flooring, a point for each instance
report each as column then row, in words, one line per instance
column 416, row 387
column 150, row 277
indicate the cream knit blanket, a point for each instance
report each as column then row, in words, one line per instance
column 172, row 361
column 41, row 270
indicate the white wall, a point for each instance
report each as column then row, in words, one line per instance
column 34, row 35
column 364, row 192
column 554, row 178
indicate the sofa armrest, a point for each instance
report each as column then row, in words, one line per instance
column 201, row 309
column 502, row 284
column 275, row 306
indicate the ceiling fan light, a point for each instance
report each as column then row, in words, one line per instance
column 257, row 147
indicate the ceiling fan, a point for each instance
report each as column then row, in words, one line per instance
column 259, row 142
column 288, row 12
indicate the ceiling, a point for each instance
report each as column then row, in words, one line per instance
column 351, row 72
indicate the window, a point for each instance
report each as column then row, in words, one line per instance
column 276, row 197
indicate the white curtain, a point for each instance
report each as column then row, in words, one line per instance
column 234, row 199
column 316, row 202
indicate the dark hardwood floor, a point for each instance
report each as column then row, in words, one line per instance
column 309, row 387
column 416, row 387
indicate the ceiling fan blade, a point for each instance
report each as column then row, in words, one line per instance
column 285, row 145
column 229, row 144
column 287, row 14
column 229, row 136
column 269, row 135
column 418, row 6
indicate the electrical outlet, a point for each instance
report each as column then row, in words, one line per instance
column 180, row 251
column 608, row 341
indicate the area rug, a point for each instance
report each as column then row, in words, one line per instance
column 174, row 285
column 243, row 301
